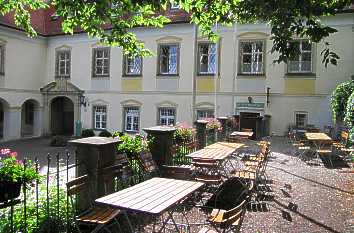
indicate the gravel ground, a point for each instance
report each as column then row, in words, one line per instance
column 300, row 198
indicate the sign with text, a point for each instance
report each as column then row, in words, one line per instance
column 250, row 105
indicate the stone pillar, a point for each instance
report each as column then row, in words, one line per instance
column 38, row 121
column 201, row 133
column 12, row 123
column 162, row 142
column 222, row 134
column 93, row 154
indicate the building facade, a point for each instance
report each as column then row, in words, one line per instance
column 55, row 83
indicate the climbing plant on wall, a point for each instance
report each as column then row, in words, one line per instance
column 339, row 100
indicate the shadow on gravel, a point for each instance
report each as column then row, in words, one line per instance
column 310, row 180
column 286, row 209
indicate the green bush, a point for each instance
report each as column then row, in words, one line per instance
column 87, row 133
column 46, row 223
column 339, row 99
column 105, row 133
column 183, row 135
column 132, row 145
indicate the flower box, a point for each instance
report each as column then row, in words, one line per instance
column 9, row 190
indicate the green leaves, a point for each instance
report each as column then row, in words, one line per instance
column 112, row 20
column 339, row 100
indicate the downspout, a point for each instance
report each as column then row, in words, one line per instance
column 216, row 74
column 194, row 82
column 234, row 68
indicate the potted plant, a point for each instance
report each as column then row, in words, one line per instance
column 13, row 174
column 183, row 133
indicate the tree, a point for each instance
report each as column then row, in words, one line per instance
column 285, row 17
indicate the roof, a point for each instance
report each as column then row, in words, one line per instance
column 46, row 25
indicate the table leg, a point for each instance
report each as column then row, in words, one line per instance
column 128, row 220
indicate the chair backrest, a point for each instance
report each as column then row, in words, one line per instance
column 233, row 215
column 78, row 185
column 110, row 174
column 147, row 162
column 177, row 172
column 122, row 159
column 246, row 130
column 344, row 136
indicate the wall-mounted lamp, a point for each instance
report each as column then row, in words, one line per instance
column 268, row 96
column 83, row 100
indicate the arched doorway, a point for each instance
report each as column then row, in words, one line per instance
column 3, row 109
column 30, row 118
column 62, row 116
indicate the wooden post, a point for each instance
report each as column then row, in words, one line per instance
column 201, row 133
column 93, row 154
column 162, row 142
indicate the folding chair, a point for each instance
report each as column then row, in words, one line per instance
column 101, row 218
column 227, row 220
column 148, row 164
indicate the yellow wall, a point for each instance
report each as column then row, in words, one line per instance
column 207, row 84
column 133, row 84
column 299, row 86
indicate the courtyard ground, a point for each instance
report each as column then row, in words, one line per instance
column 301, row 197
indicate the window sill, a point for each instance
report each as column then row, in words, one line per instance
column 300, row 75
column 164, row 75
column 103, row 76
column 159, row 76
column 100, row 129
column 132, row 76
column 62, row 77
column 240, row 75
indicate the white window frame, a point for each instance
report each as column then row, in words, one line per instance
column 207, row 56
column 134, row 115
column 2, row 59
column 137, row 64
column 305, row 121
column 104, row 59
column 66, row 61
column 175, row 5
column 170, row 57
column 255, row 55
column 205, row 112
column 169, row 119
column 300, row 58
column 100, row 111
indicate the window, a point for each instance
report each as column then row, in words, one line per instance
column 132, row 65
column 100, row 117
column 301, row 119
column 62, row 65
column 168, row 59
column 203, row 114
column 207, row 58
column 101, row 62
column 251, row 53
column 2, row 59
column 167, row 116
column 175, row 5
column 132, row 118
column 302, row 63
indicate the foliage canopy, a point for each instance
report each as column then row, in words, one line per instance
column 286, row 18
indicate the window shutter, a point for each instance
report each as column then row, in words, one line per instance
column 57, row 63
column 69, row 66
column 93, row 62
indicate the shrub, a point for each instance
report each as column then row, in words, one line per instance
column 213, row 124
column 183, row 133
column 105, row 133
column 87, row 133
column 133, row 145
column 58, row 141
column 51, row 223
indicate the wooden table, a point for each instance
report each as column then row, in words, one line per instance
column 241, row 134
column 153, row 197
column 218, row 153
column 321, row 137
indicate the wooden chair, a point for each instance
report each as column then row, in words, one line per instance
column 228, row 220
column 182, row 172
column 101, row 218
column 111, row 173
column 148, row 164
